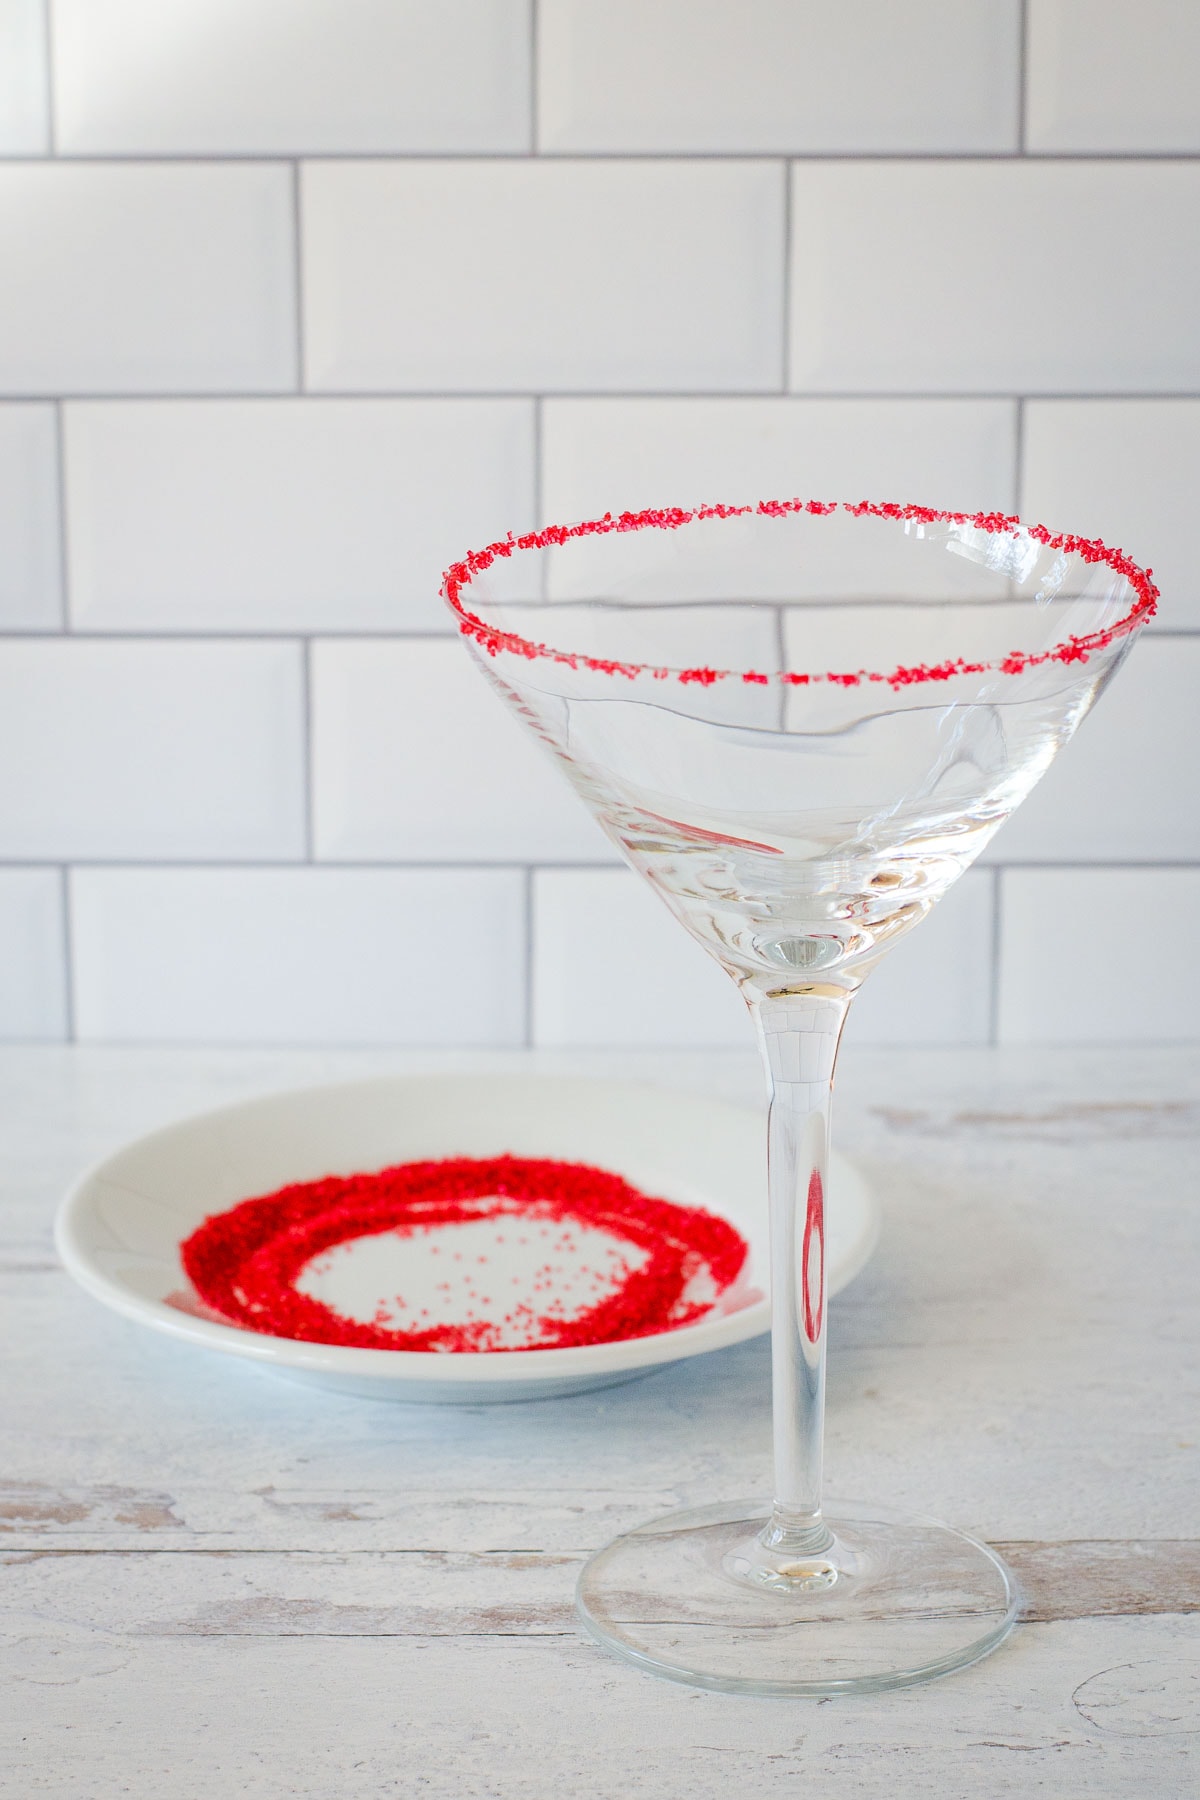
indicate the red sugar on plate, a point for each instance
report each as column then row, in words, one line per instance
column 244, row 1263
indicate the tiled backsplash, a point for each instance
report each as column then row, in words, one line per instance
column 300, row 299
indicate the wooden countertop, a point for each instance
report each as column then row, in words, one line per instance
column 219, row 1582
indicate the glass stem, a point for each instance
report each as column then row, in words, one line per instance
column 799, row 1027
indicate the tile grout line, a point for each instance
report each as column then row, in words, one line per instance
column 298, row 277
column 535, row 123
column 295, row 865
column 207, row 158
column 314, row 1046
column 306, row 748
column 1022, row 78
column 1019, row 456
column 993, row 1036
column 68, row 949
column 1083, row 865
column 511, row 866
column 367, row 634
column 64, row 558
column 473, row 396
column 483, row 1048
column 786, row 339
column 781, row 656
column 538, row 472
column 51, row 93
column 530, row 874
column 539, row 485
column 218, row 634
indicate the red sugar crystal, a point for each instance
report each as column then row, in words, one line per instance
column 1073, row 649
column 244, row 1263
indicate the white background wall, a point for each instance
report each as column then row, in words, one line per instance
column 300, row 298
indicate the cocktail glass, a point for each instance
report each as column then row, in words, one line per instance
column 800, row 722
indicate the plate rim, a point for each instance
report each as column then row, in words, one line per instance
column 421, row 1366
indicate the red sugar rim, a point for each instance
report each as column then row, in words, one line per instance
column 1072, row 649
column 244, row 1262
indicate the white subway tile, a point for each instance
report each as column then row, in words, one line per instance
column 415, row 757
column 935, row 986
column 1127, row 786
column 1125, row 471
column 1113, row 75
column 30, row 556
column 612, row 967
column 291, row 75
column 1099, row 956
column 267, row 515
column 24, row 90
column 299, row 956
column 525, row 274
column 33, row 987
column 609, row 455
column 111, row 750
column 988, row 276
column 134, row 278
column 787, row 75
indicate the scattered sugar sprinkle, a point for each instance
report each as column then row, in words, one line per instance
column 669, row 1264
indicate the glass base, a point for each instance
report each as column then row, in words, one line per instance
column 886, row 1601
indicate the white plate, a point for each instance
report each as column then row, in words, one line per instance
column 120, row 1228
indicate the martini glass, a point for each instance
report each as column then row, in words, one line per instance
column 800, row 722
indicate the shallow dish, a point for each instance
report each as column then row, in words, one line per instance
column 119, row 1229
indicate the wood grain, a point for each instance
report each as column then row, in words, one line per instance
column 215, row 1581
column 1106, row 1579
column 455, row 1594
column 498, row 1718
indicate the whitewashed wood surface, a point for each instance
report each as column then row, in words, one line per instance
column 216, row 1582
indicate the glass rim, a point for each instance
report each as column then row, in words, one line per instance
column 1071, row 649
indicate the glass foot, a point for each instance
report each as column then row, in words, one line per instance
column 890, row 1600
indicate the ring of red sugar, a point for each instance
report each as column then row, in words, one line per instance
column 244, row 1262
column 1073, row 649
